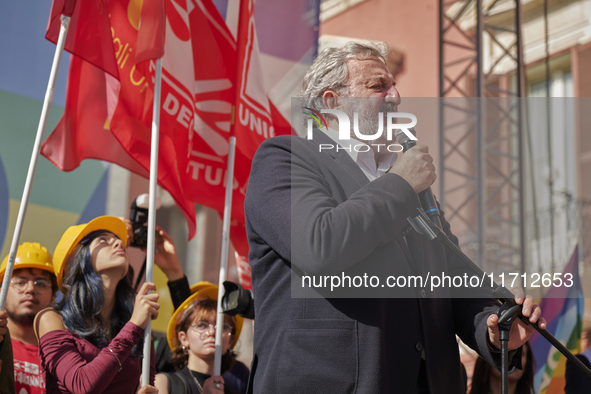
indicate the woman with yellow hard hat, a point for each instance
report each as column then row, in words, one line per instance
column 191, row 336
column 92, row 341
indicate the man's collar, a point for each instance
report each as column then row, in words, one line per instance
column 362, row 153
column 347, row 145
column 340, row 156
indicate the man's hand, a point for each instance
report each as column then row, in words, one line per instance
column 520, row 332
column 166, row 257
column 416, row 167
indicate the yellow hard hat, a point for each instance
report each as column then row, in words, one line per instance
column 29, row 255
column 67, row 245
column 201, row 290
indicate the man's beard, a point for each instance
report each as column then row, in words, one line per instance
column 24, row 319
column 369, row 122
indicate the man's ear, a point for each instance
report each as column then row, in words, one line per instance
column 330, row 99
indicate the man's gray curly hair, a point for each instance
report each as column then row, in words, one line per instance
column 329, row 70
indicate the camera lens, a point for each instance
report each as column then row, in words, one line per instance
column 140, row 237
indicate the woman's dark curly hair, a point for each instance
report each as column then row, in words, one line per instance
column 201, row 310
column 82, row 305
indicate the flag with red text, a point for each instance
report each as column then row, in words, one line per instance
column 257, row 118
column 124, row 139
column 206, row 71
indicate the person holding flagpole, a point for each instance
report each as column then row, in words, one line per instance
column 91, row 342
column 33, row 287
column 236, row 378
column 191, row 337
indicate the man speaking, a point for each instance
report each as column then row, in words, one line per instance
column 321, row 213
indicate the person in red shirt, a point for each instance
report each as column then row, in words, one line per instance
column 33, row 287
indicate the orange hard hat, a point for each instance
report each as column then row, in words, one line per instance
column 201, row 290
column 68, row 243
column 30, row 255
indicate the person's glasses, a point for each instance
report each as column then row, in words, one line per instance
column 202, row 328
column 20, row 284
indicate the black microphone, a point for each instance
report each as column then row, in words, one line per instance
column 426, row 197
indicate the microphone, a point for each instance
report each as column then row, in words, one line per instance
column 426, row 197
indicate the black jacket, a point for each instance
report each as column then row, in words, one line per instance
column 318, row 214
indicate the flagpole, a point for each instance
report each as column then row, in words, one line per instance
column 224, row 259
column 217, row 365
column 57, row 58
column 152, row 214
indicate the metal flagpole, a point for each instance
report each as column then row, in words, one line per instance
column 224, row 260
column 152, row 214
column 217, row 364
column 57, row 58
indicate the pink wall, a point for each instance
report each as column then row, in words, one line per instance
column 410, row 27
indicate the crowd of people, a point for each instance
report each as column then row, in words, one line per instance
column 91, row 339
column 308, row 211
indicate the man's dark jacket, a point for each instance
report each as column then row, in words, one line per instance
column 318, row 213
column 576, row 380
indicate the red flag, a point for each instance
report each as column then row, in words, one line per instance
column 83, row 131
column 129, row 110
column 204, row 73
column 89, row 32
column 132, row 115
column 214, row 64
column 151, row 31
column 257, row 119
column 244, row 271
column 226, row 74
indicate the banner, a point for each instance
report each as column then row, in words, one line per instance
column 206, row 71
column 110, row 119
column 563, row 310
column 89, row 31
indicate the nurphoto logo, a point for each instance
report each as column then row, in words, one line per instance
column 383, row 133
